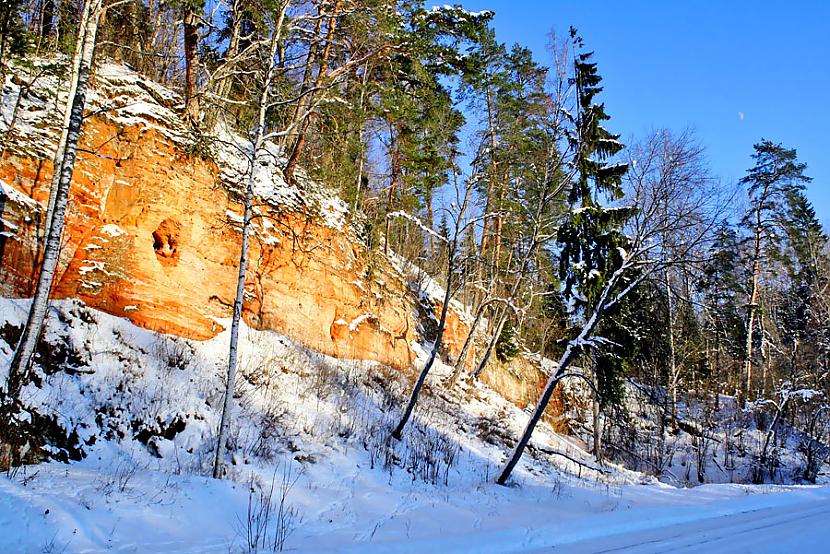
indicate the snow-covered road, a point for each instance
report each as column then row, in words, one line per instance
column 780, row 521
column 799, row 528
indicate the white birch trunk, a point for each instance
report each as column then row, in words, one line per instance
column 67, row 114
column 573, row 348
column 259, row 134
column 37, row 314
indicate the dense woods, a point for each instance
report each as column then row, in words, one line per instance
column 499, row 173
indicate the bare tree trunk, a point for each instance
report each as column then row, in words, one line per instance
column 573, row 348
column 452, row 251
column 491, row 346
column 499, row 230
column 308, row 71
column 360, row 139
column 468, row 342
column 233, row 47
column 753, row 303
column 259, row 133
column 306, row 100
column 564, row 363
column 393, row 183
column 597, row 417
column 493, row 172
column 47, row 21
column 433, row 355
column 37, row 314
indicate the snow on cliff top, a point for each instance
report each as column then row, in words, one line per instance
column 32, row 102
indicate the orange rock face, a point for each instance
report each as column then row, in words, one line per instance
column 152, row 235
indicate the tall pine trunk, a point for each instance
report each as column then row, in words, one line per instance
column 491, row 186
column 37, row 314
column 303, row 108
column 753, row 301
column 190, row 26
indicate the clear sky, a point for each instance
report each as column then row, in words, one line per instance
column 733, row 70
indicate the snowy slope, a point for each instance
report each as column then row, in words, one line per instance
column 145, row 407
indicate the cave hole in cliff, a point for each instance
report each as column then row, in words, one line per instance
column 166, row 240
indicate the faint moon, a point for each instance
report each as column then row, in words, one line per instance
column 741, row 116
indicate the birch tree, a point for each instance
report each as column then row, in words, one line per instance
column 67, row 150
column 257, row 152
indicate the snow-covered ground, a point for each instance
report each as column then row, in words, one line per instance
column 95, row 506
column 314, row 431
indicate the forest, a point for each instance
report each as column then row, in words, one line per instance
column 664, row 293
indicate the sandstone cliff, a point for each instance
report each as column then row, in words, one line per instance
column 152, row 234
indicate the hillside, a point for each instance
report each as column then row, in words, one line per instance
column 143, row 410
column 120, row 415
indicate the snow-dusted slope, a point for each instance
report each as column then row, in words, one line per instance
column 144, row 407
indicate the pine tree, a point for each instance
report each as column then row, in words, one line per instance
column 776, row 175
column 525, row 202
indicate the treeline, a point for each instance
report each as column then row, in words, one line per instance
column 496, row 174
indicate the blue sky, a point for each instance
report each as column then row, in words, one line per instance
column 734, row 71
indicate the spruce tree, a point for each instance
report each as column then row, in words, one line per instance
column 593, row 244
column 507, row 346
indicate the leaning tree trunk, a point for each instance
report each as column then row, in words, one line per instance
column 573, row 348
column 37, row 314
column 303, row 111
column 433, row 355
column 233, row 350
column 491, row 346
column 564, row 362
column 468, row 342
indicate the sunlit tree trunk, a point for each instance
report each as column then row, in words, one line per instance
column 22, row 360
